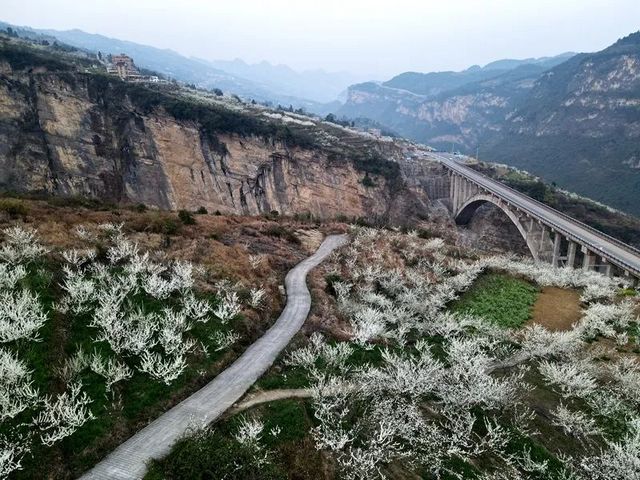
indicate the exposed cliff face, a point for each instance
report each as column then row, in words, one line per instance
column 65, row 134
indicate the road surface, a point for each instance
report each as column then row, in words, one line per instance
column 617, row 252
column 129, row 460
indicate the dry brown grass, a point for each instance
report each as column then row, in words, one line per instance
column 222, row 244
column 557, row 309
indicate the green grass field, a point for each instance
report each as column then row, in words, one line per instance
column 501, row 299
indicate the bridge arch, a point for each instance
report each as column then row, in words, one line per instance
column 464, row 214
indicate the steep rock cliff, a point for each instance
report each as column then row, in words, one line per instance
column 73, row 133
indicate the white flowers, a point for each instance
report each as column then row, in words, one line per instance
column 595, row 285
column 606, row 320
column 257, row 297
column 468, row 381
column 368, row 324
column 63, row 415
column 537, row 341
column 21, row 316
column 620, row 459
column 250, row 431
column 112, row 370
column 20, row 246
column 223, row 340
column 228, row 306
column 139, row 309
column 333, row 355
column 16, row 392
column 10, row 275
column 165, row 370
column 574, row 423
column 11, row 454
column 414, row 406
column 573, row 379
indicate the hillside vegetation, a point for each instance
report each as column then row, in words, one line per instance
column 574, row 122
column 111, row 316
column 403, row 384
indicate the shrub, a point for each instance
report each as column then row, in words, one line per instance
column 77, row 201
column 155, row 222
column 209, row 455
column 627, row 292
column 15, row 208
column 367, row 182
column 201, row 211
column 186, row 217
column 279, row 231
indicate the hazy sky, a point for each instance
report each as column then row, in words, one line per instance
column 381, row 38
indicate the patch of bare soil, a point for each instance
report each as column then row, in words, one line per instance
column 556, row 308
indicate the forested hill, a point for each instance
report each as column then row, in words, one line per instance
column 576, row 123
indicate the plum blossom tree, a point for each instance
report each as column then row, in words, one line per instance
column 112, row 370
column 223, row 340
column 228, row 306
column 21, row 246
column 417, row 408
column 10, row 275
column 16, row 391
column 63, row 415
column 21, row 316
column 11, row 454
column 620, row 459
column 573, row 379
column 165, row 370
column 574, row 422
column 257, row 296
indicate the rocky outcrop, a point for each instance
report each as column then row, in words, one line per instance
column 576, row 124
column 63, row 134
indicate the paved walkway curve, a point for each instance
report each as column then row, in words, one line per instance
column 129, row 461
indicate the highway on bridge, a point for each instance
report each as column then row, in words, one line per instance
column 615, row 251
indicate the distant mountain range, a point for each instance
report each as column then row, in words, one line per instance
column 438, row 82
column 573, row 119
column 278, row 84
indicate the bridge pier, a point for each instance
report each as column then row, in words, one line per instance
column 571, row 253
column 589, row 261
column 555, row 258
column 455, row 190
column 607, row 268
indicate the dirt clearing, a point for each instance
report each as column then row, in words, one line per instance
column 556, row 308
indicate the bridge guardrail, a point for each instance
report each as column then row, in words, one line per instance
column 461, row 169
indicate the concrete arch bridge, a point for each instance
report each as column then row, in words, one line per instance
column 551, row 236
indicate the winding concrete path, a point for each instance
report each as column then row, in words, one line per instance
column 129, row 461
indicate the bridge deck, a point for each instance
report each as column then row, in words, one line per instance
column 613, row 250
